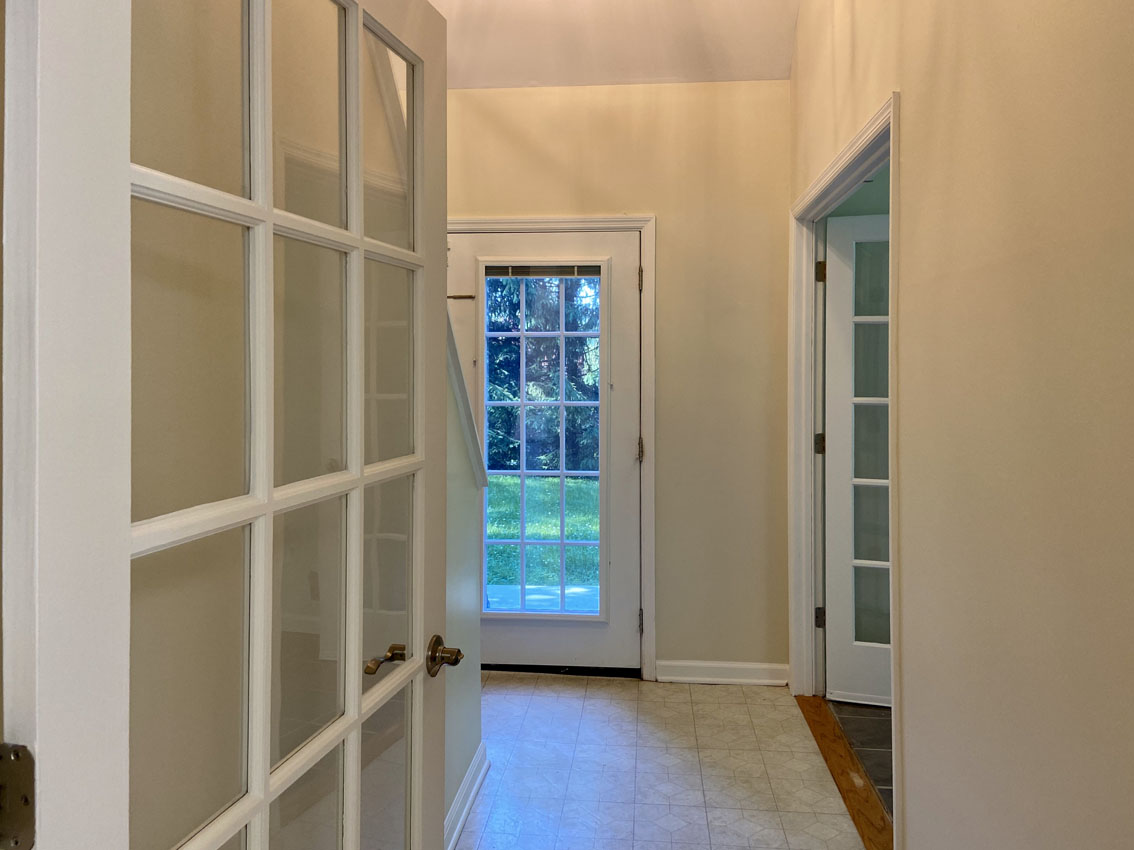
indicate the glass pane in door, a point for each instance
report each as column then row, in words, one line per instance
column 309, row 108
column 385, row 775
column 389, row 361
column 188, row 91
column 189, row 318
column 387, row 144
column 387, row 571
column 307, row 623
column 871, row 278
column 871, row 441
column 188, row 710
column 871, row 522
column 543, row 396
column 308, row 815
column 310, row 360
column 871, row 361
column 872, row 604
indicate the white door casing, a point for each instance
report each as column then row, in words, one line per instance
column 612, row 638
column 68, row 539
column 858, row 669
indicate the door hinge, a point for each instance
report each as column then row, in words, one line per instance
column 820, row 618
column 641, row 450
column 820, row 444
column 821, row 271
column 641, row 277
column 17, row 797
column 641, row 622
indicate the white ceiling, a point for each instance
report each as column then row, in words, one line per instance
column 517, row 43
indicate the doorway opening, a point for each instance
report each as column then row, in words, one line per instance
column 554, row 324
column 843, row 478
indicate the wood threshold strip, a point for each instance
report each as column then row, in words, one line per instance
column 870, row 817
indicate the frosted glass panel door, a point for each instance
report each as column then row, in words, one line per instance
column 857, row 461
column 197, row 541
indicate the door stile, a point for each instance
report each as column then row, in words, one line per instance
column 67, row 451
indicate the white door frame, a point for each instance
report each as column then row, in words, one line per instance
column 876, row 142
column 646, row 225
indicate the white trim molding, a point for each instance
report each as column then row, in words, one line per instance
column 646, row 225
column 867, row 152
column 466, row 796
column 876, row 143
column 722, row 672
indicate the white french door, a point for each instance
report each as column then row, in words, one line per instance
column 857, row 462
column 224, row 396
column 548, row 324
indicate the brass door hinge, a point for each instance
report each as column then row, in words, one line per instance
column 17, row 797
column 820, row 444
column 641, row 622
column 641, row 450
column 820, row 618
column 641, row 277
column 821, row 271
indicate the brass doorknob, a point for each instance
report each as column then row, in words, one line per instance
column 439, row 655
column 396, row 652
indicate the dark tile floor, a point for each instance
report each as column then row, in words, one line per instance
column 870, row 732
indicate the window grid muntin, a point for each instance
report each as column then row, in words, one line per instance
column 257, row 508
column 874, row 401
column 562, row 274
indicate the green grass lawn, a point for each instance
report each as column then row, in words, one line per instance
column 542, row 524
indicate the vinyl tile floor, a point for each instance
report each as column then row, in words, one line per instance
column 617, row 764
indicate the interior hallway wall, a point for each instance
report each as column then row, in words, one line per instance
column 845, row 66
column 712, row 161
column 1015, row 406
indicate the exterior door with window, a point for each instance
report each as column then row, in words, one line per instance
column 224, row 396
column 551, row 333
column 857, row 462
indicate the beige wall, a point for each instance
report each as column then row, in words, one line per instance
column 844, row 68
column 1015, row 406
column 712, row 162
column 462, row 606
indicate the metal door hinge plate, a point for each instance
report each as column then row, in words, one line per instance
column 641, row 622
column 820, row 444
column 641, row 277
column 641, row 450
column 820, row 618
column 17, row 797
column 821, row 271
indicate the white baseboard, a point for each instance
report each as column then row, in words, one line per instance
column 722, row 672
column 466, row 796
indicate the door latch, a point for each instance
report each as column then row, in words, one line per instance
column 17, row 797
column 438, row 655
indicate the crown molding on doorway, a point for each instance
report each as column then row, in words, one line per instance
column 466, row 796
column 723, row 672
